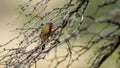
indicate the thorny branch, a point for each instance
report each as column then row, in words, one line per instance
column 70, row 21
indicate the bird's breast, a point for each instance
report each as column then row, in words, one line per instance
column 45, row 30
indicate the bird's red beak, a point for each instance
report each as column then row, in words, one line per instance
column 51, row 25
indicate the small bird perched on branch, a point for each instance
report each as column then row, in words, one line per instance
column 45, row 33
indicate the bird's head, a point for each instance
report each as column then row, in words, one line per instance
column 51, row 25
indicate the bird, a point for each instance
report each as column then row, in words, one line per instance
column 45, row 33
